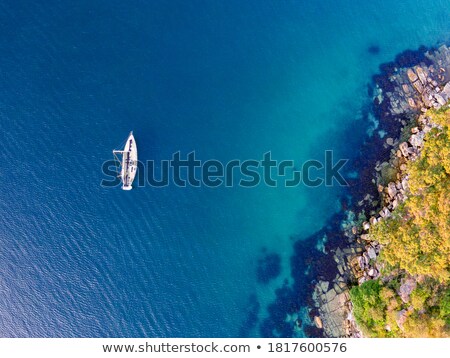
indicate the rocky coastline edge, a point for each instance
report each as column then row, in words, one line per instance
column 403, row 93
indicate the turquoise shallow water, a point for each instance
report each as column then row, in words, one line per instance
column 226, row 79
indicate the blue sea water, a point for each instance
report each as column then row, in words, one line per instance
column 226, row 79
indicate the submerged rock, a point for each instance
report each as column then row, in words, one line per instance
column 269, row 267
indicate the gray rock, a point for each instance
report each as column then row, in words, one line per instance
column 407, row 286
column 372, row 254
column 324, row 286
column 421, row 74
column 330, row 295
column 384, row 213
column 366, row 258
column 392, row 190
column 361, row 280
column 377, row 250
column 446, row 91
column 394, row 203
column 412, row 151
column 440, row 99
column 416, row 140
column 411, row 75
column 404, row 149
column 337, row 288
column 401, row 197
column 427, row 128
column 405, row 185
column 419, row 87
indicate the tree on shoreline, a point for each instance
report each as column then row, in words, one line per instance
column 416, row 243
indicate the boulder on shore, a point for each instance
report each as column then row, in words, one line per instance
column 371, row 252
column 318, row 322
column 404, row 149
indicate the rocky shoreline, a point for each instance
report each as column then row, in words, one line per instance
column 403, row 93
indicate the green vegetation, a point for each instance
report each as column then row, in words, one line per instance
column 416, row 240
column 378, row 309
column 369, row 308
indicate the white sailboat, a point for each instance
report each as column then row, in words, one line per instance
column 129, row 162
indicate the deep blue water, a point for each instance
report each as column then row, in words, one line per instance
column 228, row 79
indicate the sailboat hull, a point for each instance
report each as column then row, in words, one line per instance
column 129, row 163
